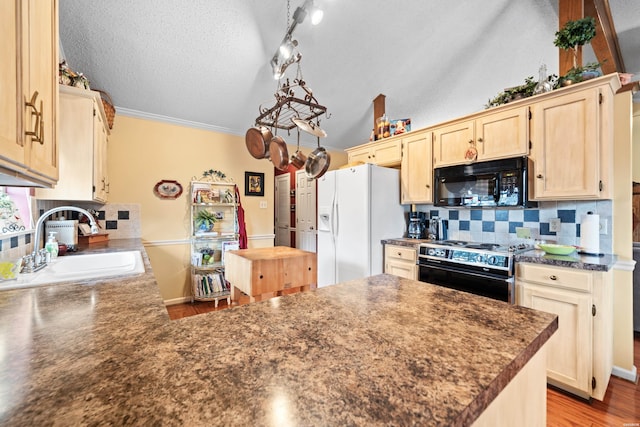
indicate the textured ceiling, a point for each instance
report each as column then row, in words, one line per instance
column 206, row 62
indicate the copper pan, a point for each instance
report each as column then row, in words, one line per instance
column 317, row 163
column 258, row 140
column 279, row 153
column 298, row 159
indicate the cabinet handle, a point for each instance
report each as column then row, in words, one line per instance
column 539, row 176
column 38, row 128
column 471, row 141
column 553, row 277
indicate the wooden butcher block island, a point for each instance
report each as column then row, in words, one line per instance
column 263, row 273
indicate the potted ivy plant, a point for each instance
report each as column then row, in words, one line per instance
column 205, row 220
column 572, row 35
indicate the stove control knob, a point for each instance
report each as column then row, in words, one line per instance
column 431, row 252
column 492, row 260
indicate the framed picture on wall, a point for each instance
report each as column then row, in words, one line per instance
column 254, row 184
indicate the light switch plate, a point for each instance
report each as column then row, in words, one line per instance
column 554, row 225
column 603, row 226
column 263, row 204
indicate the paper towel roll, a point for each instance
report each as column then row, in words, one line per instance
column 590, row 233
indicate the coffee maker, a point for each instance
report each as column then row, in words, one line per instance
column 417, row 225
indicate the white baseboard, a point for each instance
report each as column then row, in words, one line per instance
column 175, row 301
column 629, row 375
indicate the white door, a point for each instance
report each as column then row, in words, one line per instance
column 283, row 210
column 305, row 212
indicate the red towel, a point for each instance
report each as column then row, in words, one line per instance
column 242, row 227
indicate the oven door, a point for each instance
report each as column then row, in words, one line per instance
column 501, row 289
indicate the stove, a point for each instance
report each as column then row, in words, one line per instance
column 481, row 268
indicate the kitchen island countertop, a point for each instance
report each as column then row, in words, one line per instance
column 381, row 350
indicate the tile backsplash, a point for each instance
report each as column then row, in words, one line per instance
column 120, row 221
column 499, row 225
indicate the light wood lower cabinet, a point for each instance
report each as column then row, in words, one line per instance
column 580, row 355
column 401, row 261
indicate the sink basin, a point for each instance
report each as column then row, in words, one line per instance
column 81, row 267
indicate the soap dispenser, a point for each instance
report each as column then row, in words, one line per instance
column 51, row 246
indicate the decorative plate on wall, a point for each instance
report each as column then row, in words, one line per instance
column 167, row 189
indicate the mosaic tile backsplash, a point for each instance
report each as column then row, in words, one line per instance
column 499, row 226
column 120, row 221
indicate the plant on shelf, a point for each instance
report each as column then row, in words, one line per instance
column 575, row 33
column 571, row 36
column 205, row 220
column 513, row 93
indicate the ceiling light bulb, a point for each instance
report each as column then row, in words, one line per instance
column 316, row 16
column 286, row 48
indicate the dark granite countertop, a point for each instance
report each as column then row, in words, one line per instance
column 574, row 260
column 381, row 350
column 405, row 241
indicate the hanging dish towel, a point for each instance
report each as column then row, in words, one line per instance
column 242, row 228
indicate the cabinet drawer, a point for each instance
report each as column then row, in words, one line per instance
column 558, row 277
column 401, row 252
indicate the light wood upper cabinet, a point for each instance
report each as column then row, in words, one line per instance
column 580, row 355
column 494, row 135
column 386, row 152
column 28, row 75
column 571, row 146
column 83, row 148
column 416, row 172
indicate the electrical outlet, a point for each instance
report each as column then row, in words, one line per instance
column 554, row 225
column 263, row 204
column 523, row 232
column 604, row 226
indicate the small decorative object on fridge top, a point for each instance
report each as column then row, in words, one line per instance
column 543, row 84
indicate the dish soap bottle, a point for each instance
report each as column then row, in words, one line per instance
column 51, row 246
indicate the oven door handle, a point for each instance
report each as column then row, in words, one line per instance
column 467, row 272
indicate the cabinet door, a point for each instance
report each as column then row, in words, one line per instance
column 401, row 269
column 570, row 348
column 360, row 155
column 12, row 153
column 503, row 134
column 451, row 142
column 387, row 153
column 566, row 147
column 100, row 176
column 42, row 76
column 417, row 169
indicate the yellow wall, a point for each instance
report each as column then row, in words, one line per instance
column 144, row 152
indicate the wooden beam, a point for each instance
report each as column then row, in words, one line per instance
column 605, row 43
column 569, row 10
column 378, row 108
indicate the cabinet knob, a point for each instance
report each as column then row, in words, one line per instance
column 539, row 176
column 471, row 141
column 480, row 140
column 428, row 186
column 399, row 253
column 553, row 277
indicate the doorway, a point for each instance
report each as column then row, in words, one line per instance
column 305, row 212
column 282, row 210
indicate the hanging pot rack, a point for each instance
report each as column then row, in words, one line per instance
column 289, row 107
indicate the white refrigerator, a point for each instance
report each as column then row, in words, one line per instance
column 357, row 208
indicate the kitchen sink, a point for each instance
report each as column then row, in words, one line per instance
column 72, row 268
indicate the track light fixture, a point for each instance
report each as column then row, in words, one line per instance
column 287, row 53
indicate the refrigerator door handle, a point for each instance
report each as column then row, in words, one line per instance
column 334, row 219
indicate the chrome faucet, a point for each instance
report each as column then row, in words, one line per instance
column 37, row 235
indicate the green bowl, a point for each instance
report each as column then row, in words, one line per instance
column 557, row 249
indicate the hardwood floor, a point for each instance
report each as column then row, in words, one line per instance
column 621, row 405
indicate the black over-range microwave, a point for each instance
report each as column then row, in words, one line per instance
column 495, row 183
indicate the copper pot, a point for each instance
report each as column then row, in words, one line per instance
column 257, row 140
column 279, row 153
column 298, row 159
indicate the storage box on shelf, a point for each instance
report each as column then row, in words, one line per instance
column 214, row 230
